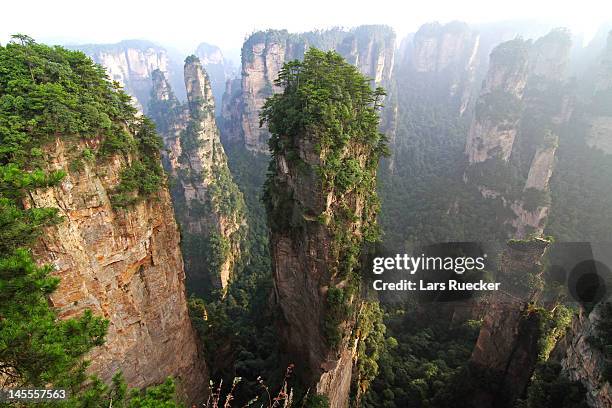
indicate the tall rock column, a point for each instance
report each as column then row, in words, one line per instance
column 322, row 205
column 208, row 205
column 513, row 136
column 509, row 341
column 586, row 363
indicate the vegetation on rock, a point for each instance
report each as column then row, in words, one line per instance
column 49, row 93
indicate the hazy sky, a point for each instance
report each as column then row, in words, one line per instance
column 183, row 24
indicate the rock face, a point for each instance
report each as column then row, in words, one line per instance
column 447, row 57
column 370, row 48
column 131, row 63
column 513, row 136
column 493, row 133
column 125, row 265
column 507, row 347
column 208, row 205
column 585, row 363
column 320, row 217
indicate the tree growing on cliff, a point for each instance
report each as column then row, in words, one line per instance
column 48, row 93
column 321, row 200
column 328, row 101
column 37, row 88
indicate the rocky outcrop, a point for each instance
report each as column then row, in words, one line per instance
column 507, row 348
column 321, row 204
column 208, row 205
column 370, row 48
column 123, row 264
column 513, row 136
column 497, row 114
column 131, row 63
column 585, row 363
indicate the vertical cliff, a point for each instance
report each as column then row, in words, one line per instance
column 446, row 58
column 513, row 136
column 208, row 205
column 125, row 265
column 321, row 202
column 584, row 362
column 516, row 333
column 370, row 48
column 115, row 247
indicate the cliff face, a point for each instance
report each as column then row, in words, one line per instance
column 370, row 48
column 302, row 260
column 513, row 137
column 585, row 363
column 208, row 205
column 321, row 204
column 125, row 265
column 446, row 56
column 507, row 350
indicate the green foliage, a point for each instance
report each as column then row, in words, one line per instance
column 238, row 332
column 581, row 194
column 500, row 107
column 48, row 93
column 337, row 312
column 100, row 395
column 316, row 401
column 217, row 250
column 497, row 175
column 534, row 198
column 552, row 327
column 207, row 250
column 35, row 347
column 45, row 92
column 371, row 344
column 144, row 175
column 549, row 388
column 419, row 365
column 328, row 101
column 329, row 104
